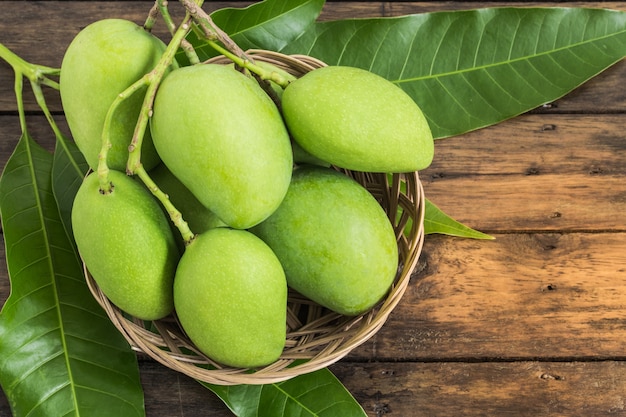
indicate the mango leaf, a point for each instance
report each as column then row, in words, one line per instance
column 270, row 24
column 436, row 221
column 317, row 394
column 471, row 69
column 68, row 170
column 59, row 353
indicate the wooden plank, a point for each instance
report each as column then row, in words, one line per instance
column 523, row 203
column 535, row 145
column 554, row 203
column 548, row 202
column 585, row 389
column 45, row 41
column 550, row 172
column 171, row 394
column 520, row 296
column 487, row 389
column 534, row 172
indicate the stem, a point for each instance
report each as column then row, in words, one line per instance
column 213, row 34
column 41, row 101
column 175, row 215
column 169, row 22
column 103, row 168
column 171, row 26
column 35, row 73
column 18, row 87
column 263, row 73
column 210, row 29
column 153, row 80
column 153, row 14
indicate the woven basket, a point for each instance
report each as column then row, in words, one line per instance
column 316, row 337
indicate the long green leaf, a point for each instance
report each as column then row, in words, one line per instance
column 471, row 69
column 317, row 394
column 59, row 353
column 270, row 24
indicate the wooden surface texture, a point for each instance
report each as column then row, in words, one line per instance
column 531, row 323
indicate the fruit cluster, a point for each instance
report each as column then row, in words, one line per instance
column 253, row 179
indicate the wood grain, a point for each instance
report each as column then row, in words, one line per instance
column 585, row 389
column 553, row 296
column 535, row 172
column 531, row 323
column 527, row 388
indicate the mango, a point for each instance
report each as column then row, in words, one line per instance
column 104, row 59
column 357, row 120
column 220, row 134
column 334, row 240
column 230, row 295
column 126, row 243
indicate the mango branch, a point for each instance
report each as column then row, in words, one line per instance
column 153, row 80
column 210, row 29
column 134, row 166
column 103, row 167
column 38, row 76
column 35, row 73
column 160, row 6
column 216, row 37
column 151, row 19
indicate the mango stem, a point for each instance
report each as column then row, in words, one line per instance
column 103, row 168
column 187, row 47
column 216, row 36
column 174, row 213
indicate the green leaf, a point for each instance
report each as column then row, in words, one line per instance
column 270, row 24
column 436, row 221
column 68, row 170
column 317, row 394
column 60, row 355
column 471, row 69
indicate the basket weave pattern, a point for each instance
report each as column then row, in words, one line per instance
column 316, row 337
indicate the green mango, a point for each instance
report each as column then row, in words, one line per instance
column 230, row 295
column 127, row 245
column 223, row 137
column 357, row 120
column 334, row 240
column 103, row 60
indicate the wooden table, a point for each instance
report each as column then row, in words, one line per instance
column 532, row 323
